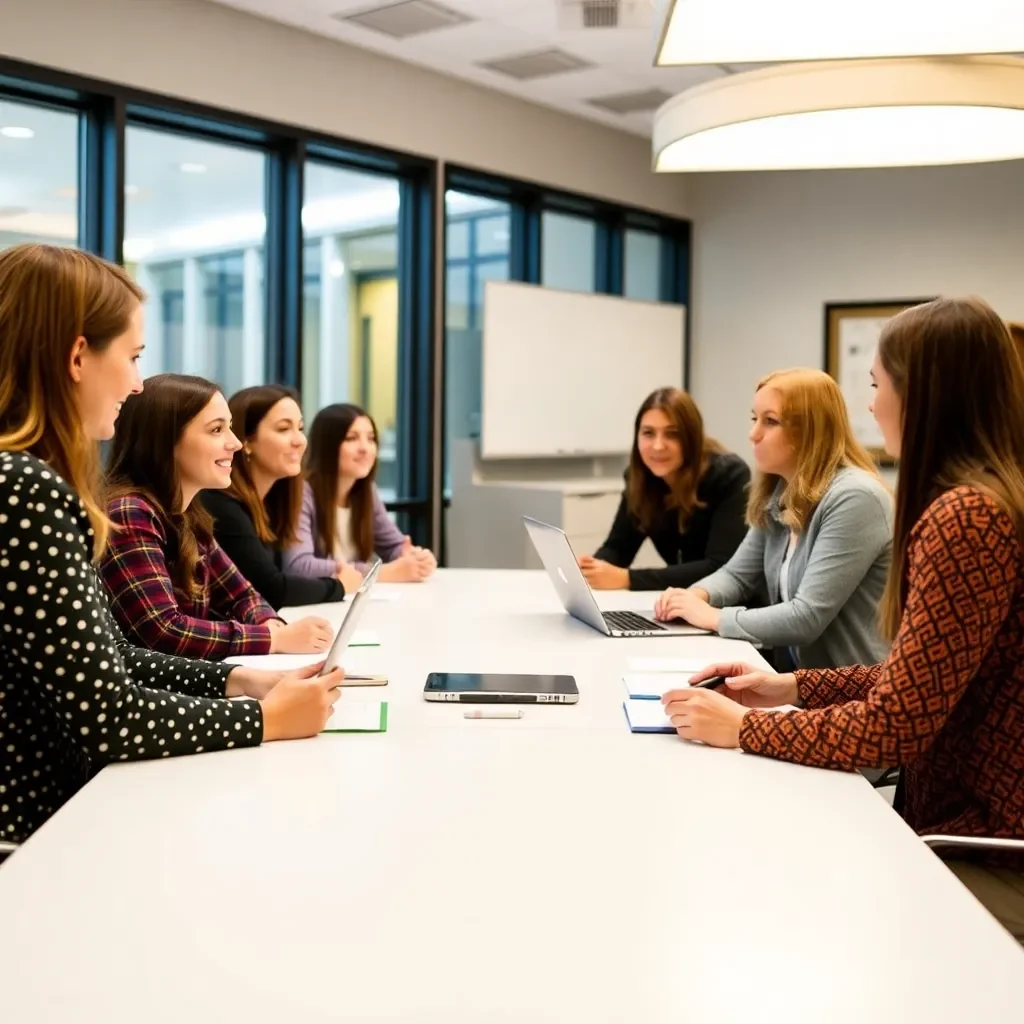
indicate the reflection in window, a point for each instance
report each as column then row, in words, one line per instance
column 351, row 300
column 38, row 175
column 194, row 239
column 568, row 252
column 480, row 229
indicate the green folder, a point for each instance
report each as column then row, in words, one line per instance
column 359, row 717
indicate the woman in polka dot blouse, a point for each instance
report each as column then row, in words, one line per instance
column 74, row 695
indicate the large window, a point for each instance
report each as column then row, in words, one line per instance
column 351, row 301
column 568, row 252
column 38, row 175
column 195, row 231
column 643, row 257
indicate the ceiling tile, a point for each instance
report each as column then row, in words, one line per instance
column 535, row 64
column 405, row 18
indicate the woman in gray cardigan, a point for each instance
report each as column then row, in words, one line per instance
column 820, row 538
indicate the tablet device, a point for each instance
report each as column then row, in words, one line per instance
column 336, row 654
column 492, row 688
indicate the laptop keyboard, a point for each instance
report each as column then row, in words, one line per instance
column 630, row 622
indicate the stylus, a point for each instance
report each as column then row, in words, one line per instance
column 496, row 713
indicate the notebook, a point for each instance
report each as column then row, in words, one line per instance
column 646, row 716
column 362, row 665
column 652, row 685
column 690, row 666
column 358, row 716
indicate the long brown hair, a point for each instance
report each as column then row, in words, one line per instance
column 816, row 423
column 330, row 427
column 647, row 496
column 49, row 298
column 142, row 462
column 960, row 382
column 275, row 516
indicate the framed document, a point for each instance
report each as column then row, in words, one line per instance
column 852, row 331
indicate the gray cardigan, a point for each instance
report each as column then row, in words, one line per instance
column 836, row 577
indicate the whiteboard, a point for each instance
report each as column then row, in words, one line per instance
column 564, row 373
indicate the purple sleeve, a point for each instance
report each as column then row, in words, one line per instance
column 302, row 558
column 388, row 539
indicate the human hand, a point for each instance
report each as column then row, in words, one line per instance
column 689, row 605
column 309, row 635
column 351, row 578
column 300, row 704
column 751, row 686
column 408, row 568
column 603, row 575
column 705, row 715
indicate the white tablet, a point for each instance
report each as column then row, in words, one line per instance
column 341, row 640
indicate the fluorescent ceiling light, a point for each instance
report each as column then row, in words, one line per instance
column 757, row 31
column 882, row 113
column 16, row 132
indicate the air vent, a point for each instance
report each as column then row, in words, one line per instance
column 401, row 20
column 632, row 102
column 597, row 14
column 536, row 65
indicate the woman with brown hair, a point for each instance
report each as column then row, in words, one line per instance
column 820, row 536
column 947, row 703
column 683, row 491
column 172, row 587
column 343, row 522
column 255, row 517
column 74, row 695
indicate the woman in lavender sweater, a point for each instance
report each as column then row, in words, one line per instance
column 342, row 520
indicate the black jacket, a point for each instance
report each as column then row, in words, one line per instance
column 708, row 542
column 260, row 563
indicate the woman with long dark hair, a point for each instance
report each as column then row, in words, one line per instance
column 684, row 491
column 343, row 522
column 172, row 587
column 947, row 703
column 256, row 516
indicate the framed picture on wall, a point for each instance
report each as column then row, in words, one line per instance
column 852, row 330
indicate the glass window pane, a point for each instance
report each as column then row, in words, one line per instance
column 194, row 239
column 351, row 301
column 464, row 312
column 38, row 175
column 643, row 265
column 458, row 240
column 568, row 252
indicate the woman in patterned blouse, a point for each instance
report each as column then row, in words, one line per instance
column 948, row 702
column 172, row 587
column 74, row 695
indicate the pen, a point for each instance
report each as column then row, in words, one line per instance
column 707, row 684
column 497, row 713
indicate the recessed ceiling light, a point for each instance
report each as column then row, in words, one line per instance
column 188, row 168
column 16, row 132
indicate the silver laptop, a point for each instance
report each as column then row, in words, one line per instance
column 578, row 599
column 344, row 635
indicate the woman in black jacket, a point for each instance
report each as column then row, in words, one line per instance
column 255, row 518
column 683, row 491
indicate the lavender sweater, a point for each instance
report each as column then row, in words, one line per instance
column 308, row 558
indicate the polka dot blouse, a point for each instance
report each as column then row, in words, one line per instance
column 74, row 695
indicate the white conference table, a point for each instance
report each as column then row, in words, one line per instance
column 555, row 868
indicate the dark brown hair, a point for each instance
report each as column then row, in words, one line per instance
column 142, row 462
column 49, row 298
column 961, row 384
column 647, row 496
column 330, row 427
column 276, row 516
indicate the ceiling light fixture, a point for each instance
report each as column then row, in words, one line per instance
column 190, row 168
column 755, row 32
column 16, row 132
column 865, row 113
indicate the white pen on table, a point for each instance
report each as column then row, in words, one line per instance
column 496, row 713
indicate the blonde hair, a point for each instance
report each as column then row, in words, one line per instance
column 817, row 425
column 49, row 298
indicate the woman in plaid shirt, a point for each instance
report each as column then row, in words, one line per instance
column 172, row 587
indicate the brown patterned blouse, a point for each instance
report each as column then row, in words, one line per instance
column 948, row 702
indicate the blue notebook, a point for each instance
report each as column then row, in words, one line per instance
column 643, row 715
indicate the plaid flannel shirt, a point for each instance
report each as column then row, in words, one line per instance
column 225, row 617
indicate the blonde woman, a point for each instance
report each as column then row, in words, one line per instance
column 820, row 539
